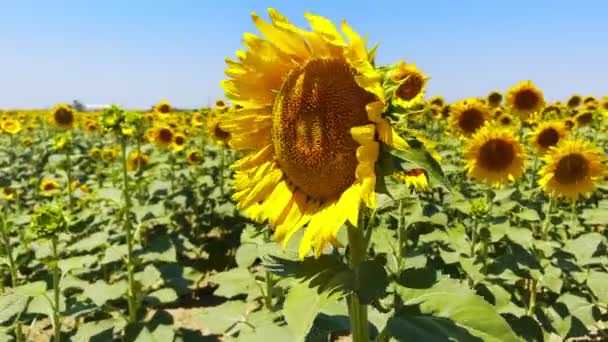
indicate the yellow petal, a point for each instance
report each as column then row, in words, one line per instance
column 363, row 134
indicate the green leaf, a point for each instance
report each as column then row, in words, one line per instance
column 218, row 319
column 162, row 296
column 101, row 292
column 233, row 282
column 159, row 249
column 327, row 272
column 528, row 214
column 16, row 299
column 149, row 278
column 598, row 283
column 102, row 330
column 302, row 305
column 110, row 194
column 417, row 156
column 448, row 310
column 373, row 281
column 578, row 307
column 89, row 243
column 77, row 262
column 114, row 254
column 41, row 304
column 160, row 333
column 584, row 246
column 595, row 216
column 266, row 333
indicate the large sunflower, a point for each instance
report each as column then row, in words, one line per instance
column 467, row 116
column 547, row 134
column 61, row 116
column 525, row 99
column 571, row 169
column 494, row 155
column 494, row 99
column 311, row 116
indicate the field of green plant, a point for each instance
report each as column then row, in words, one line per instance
column 326, row 200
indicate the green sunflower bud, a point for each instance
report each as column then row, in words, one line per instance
column 48, row 221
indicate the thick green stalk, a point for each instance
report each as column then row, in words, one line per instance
column 222, row 161
column 269, row 290
column 357, row 254
column 9, row 252
column 132, row 305
column 56, row 292
column 532, row 300
column 400, row 234
column 68, row 156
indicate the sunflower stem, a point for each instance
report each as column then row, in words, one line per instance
column 132, row 305
column 68, row 156
column 400, row 234
column 9, row 252
column 532, row 300
column 547, row 220
column 357, row 254
column 222, row 170
column 56, row 292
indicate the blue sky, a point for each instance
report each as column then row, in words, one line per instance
column 136, row 52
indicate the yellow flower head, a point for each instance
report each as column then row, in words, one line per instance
column 95, row 153
column 525, row 99
column 109, row 153
column 215, row 132
column 414, row 179
column 505, row 120
column 584, row 118
column 163, row 107
column 311, row 124
column 179, row 142
column 194, row 156
column 8, row 193
column 437, row 101
column 494, row 156
column 197, row 120
column 590, row 101
column 467, row 116
column 62, row 116
column 49, row 187
column 410, row 84
column 572, row 168
column 163, row 136
column 137, row 161
column 11, row 126
column 547, row 134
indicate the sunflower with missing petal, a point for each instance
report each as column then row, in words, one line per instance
column 467, row 116
column 525, row 99
column 407, row 85
column 312, row 123
column 572, row 168
column 494, row 155
column 62, row 116
column 546, row 135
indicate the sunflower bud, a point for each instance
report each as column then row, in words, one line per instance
column 48, row 221
column 480, row 207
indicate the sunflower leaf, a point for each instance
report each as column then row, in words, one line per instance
column 417, row 156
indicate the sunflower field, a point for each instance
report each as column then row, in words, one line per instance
column 326, row 199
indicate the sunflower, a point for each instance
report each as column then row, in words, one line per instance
column 163, row 107
column 414, row 179
column 467, row 116
column 62, row 116
column 179, row 142
column 546, row 135
column 569, row 124
column 571, row 169
column 525, row 99
column 109, row 153
column 163, row 136
column 8, row 193
column 11, row 126
column 217, row 134
column 220, row 106
column 312, row 105
column 137, row 160
column 410, row 84
column 574, row 101
column 194, row 156
column 552, row 111
column 590, row 101
column 95, row 153
column 584, row 118
column 197, row 120
column 49, row 186
column 494, row 155
column 494, row 99
column 505, row 119
column 604, row 103
column 437, row 101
